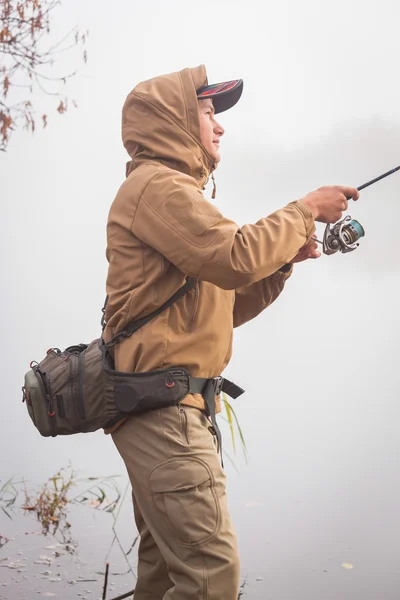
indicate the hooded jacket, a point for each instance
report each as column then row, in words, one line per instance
column 161, row 229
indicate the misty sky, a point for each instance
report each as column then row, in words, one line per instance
column 320, row 367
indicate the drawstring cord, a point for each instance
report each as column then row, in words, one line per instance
column 214, row 192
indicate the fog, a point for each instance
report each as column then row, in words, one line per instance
column 320, row 414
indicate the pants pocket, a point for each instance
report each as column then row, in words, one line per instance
column 183, row 490
column 183, row 422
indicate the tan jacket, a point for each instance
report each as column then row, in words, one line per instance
column 161, row 229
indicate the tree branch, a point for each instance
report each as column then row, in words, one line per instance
column 24, row 24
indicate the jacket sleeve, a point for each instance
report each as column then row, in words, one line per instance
column 250, row 301
column 173, row 217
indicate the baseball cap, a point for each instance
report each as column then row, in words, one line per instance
column 224, row 95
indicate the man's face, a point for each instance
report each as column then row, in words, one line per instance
column 210, row 130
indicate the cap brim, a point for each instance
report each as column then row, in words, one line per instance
column 224, row 95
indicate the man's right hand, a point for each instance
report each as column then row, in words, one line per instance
column 328, row 203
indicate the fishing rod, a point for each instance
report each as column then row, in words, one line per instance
column 343, row 236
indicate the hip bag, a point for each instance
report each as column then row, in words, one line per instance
column 78, row 390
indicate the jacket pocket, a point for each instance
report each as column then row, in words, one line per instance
column 156, row 291
column 183, row 490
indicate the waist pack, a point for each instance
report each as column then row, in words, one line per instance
column 78, row 390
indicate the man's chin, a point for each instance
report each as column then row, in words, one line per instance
column 217, row 157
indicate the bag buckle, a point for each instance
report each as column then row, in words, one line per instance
column 117, row 339
column 217, row 383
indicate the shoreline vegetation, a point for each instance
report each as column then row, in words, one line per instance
column 51, row 505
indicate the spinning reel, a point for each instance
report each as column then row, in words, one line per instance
column 343, row 236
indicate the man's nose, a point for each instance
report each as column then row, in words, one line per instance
column 218, row 129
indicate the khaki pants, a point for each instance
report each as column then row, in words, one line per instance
column 187, row 546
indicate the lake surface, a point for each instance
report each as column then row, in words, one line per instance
column 299, row 538
column 320, row 417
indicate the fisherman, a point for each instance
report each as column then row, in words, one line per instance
column 161, row 230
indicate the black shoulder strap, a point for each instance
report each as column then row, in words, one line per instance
column 135, row 325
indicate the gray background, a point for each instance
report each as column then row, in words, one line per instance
column 320, row 367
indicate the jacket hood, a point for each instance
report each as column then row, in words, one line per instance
column 160, row 122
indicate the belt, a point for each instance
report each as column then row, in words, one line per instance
column 209, row 388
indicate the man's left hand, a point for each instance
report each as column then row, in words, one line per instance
column 310, row 250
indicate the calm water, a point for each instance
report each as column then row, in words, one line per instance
column 309, row 544
column 321, row 420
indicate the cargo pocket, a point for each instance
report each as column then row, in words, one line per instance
column 184, row 492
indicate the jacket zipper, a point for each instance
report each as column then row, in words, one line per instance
column 156, row 291
column 196, row 300
column 81, row 368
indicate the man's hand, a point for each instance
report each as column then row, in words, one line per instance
column 310, row 250
column 328, row 204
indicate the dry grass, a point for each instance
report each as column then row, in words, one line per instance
column 50, row 504
column 8, row 495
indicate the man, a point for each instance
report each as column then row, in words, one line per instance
column 160, row 230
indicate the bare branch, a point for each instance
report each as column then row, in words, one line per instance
column 66, row 37
column 25, row 61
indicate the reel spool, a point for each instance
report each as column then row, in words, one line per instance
column 343, row 236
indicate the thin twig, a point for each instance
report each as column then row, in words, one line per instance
column 74, row 29
column 124, row 595
column 105, row 581
column 133, row 545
